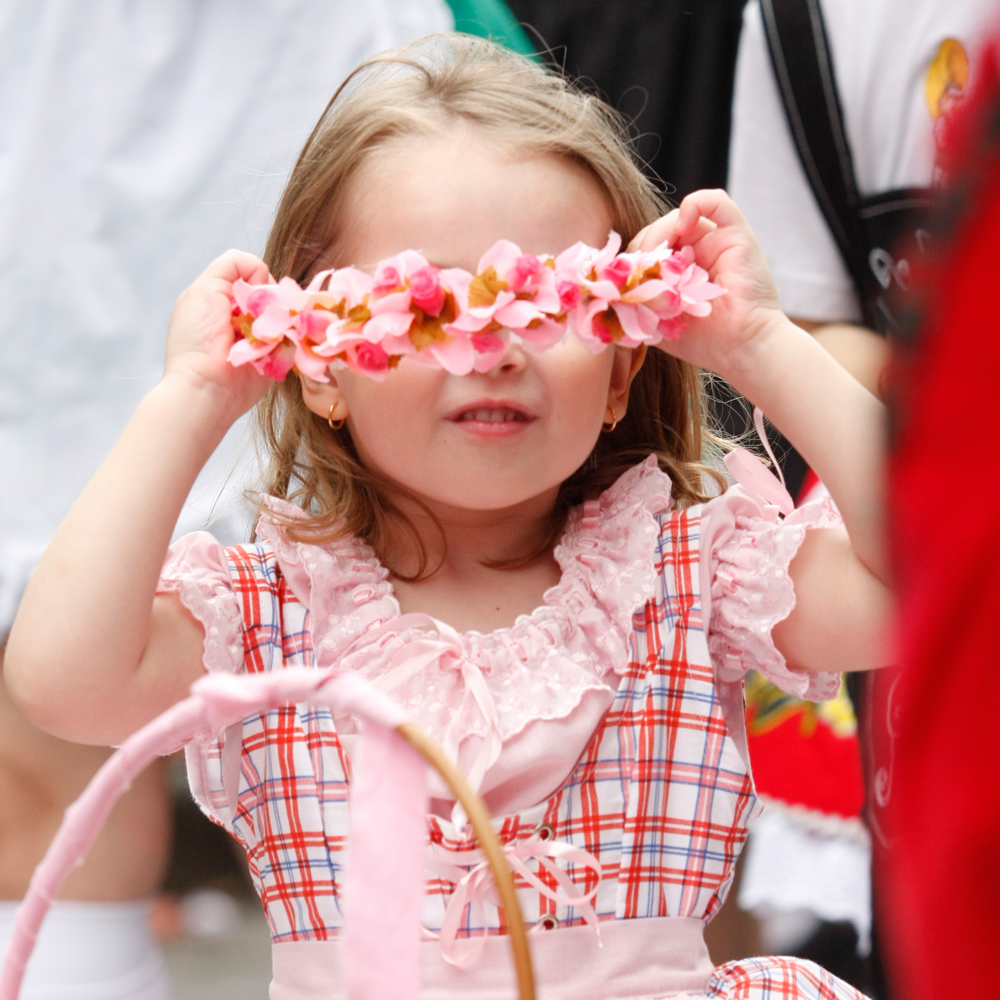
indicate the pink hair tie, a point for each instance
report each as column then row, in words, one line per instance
column 462, row 322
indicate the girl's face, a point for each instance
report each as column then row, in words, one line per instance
column 487, row 441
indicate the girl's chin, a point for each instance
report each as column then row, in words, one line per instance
column 483, row 480
column 490, row 430
column 487, row 495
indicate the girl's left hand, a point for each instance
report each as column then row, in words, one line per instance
column 711, row 224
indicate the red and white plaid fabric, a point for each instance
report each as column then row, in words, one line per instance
column 660, row 797
column 777, row 979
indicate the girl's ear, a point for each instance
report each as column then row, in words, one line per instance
column 624, row 368
column 326, row 399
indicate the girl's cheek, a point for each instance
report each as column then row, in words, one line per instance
column 585, row 373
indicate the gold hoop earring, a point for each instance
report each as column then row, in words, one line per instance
column 335, row 425
column 608, row 428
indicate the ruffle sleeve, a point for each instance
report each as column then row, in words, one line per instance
column 746, row 549
column 197, row 570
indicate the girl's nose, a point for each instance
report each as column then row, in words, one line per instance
column 514, row 359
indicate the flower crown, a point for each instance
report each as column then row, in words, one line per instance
column 462, row 322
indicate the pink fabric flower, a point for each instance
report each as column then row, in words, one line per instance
column 387, row 278
column 425, row 286
column 618, row 271
column 275, row 362
column 310, row 363
column 463, row 322
column 542, row 334
column 529, row 285
column 370, row 359
column 526, row 267
column 489, row 349
column 569, row 294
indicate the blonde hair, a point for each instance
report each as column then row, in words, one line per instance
column 421, row 90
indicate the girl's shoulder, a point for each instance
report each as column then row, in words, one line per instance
column 731, row 555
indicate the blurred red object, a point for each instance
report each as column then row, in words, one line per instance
column 805, row 755
column 940, row 871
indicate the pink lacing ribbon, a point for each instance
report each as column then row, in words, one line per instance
column 462, row 322
column 475, row 887
column 751, row 472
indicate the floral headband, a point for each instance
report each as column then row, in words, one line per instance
column 461, row 322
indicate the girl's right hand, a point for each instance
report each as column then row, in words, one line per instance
column 201, row 334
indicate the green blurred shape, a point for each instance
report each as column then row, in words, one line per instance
column 491, row 19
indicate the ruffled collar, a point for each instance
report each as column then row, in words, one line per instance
column 475, row 692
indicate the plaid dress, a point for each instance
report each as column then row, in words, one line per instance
column 647, row 823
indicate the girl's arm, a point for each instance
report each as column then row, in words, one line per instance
column 842, row 602
column 834, row 422
column 93, row 653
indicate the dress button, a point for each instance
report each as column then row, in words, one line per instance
column 548, row 922
column 544, row 831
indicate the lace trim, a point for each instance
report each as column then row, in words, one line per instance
column 752, row 591
column 206, row 591
column 537, row 669
column 605, row 556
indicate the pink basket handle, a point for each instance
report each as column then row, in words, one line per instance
column 384, row 879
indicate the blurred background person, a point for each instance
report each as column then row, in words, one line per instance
column 892, row 78
column 940, row 876
column 838, row 113
column 666, row 65
column 137, row 141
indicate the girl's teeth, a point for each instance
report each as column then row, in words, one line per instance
column 491, row 416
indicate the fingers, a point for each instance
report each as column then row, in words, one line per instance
column 698, row 214
column 235, row 264
column 677, row 228
column 713, row 204
column 655, row 233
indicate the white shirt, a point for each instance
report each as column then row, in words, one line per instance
column 882, row 52
column 137, row 142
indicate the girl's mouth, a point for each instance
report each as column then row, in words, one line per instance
column 492, row 415
column 489, row 418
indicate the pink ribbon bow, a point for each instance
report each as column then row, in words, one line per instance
column 438, row 646
column 474, row 887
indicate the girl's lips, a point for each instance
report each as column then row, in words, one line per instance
column 492, row 419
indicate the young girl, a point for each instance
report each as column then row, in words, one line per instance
column 527, row 557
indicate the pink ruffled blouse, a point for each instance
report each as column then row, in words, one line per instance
column 515, row 707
